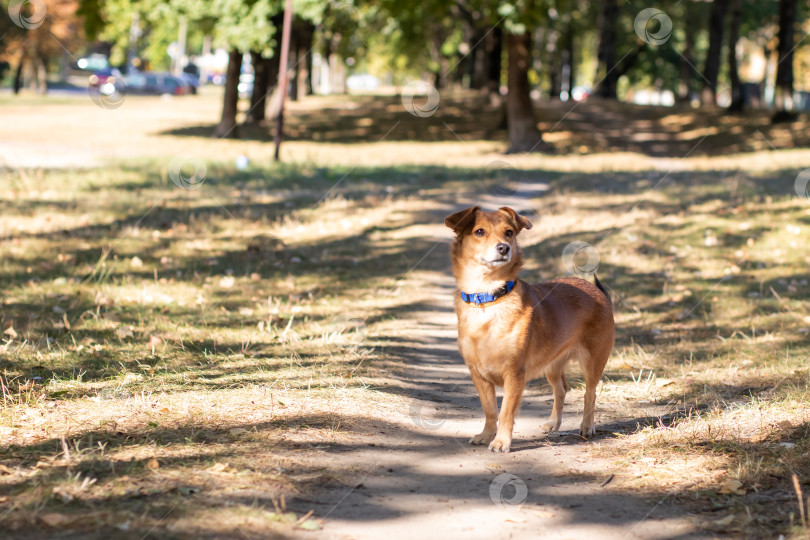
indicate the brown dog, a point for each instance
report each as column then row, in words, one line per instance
column 510, row 332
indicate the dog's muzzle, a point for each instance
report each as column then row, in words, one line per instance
column 502, row 255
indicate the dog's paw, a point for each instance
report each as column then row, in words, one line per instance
column 587, row 431
column 500, row 445
column 550, row 427
column 483, row 438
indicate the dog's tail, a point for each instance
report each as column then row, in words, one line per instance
column 601, row 287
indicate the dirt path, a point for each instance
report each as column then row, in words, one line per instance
column 418, row 476
column 421, row 477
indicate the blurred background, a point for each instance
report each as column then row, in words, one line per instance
column 736, row 54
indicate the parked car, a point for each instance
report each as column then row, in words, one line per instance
column 94, row 62
column 580, row 93
column 101, row 76
column 106, row 81
column 156, row 84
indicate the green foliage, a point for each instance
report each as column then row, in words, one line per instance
column 90, row 11
column 242, row 24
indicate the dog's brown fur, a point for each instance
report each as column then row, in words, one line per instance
column 534, row 330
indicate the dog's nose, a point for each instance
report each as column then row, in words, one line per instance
column 503, row 249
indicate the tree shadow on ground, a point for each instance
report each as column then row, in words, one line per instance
column 591, row 126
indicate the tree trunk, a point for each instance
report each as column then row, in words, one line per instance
column 18, row 73
column 475, row 60
column 687, row 69
column 42, row 74
column 523, row 133
column 568, row 74
column 494, row 60
column 309, row 42
column 258, row 99
column 293, row 64
column 554, row 63
column 440, row 76
column 711, row 68
column 783, row 95
column 303, row 59
column 227, row 125
column 737, row 98
column 606, row 55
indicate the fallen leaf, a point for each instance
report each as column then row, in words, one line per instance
column 54, row 519
column 664, row 382
column 309, row 525
column 3, row 499
column 732, row 487
column 124, row 332
column 154, row 341
column 5, row 470
column 625, row 365
column 10, row 332
column 136, row 262
column 226, row 282
column 153, row 464
column 725, row 522
column 218, row 467
column 61, row 494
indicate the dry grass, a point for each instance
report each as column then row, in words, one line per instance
column 148, row 329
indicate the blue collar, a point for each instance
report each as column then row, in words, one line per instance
column 487, row 297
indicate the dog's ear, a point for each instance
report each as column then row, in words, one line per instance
column 520, row 221
column 460, row 220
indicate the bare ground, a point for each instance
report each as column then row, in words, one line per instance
column 418, row 475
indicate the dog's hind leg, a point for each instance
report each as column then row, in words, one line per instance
column 555, row 374
column 593, row 373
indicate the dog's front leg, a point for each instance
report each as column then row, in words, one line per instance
column 512, row 392
column 486, row 393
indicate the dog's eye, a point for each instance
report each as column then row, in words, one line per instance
column 479, row 232
column 509, row 233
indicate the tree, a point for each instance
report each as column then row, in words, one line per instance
column 520, row 21
column 265, row 72
column 711, row 68
column 607, row 50
column 691, row 17
column 227, row 123
column 784, row 71
column 38, row 39
column 522, row 124
column 737, row 98
column 248, row 25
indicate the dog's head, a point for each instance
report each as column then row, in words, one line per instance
column 487, row 238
